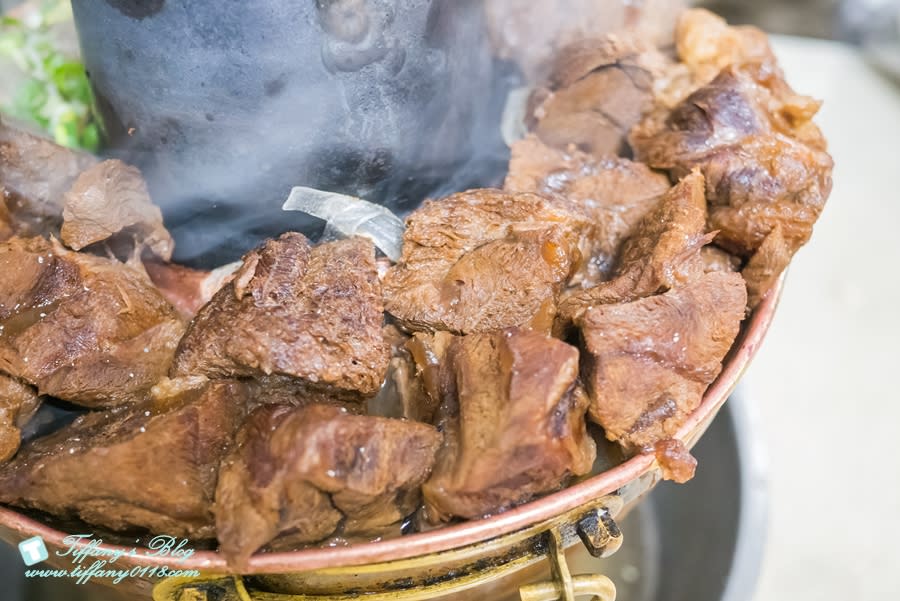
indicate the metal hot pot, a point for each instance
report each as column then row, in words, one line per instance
column 204, row 145
column 226, row 105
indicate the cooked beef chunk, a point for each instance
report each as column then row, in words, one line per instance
column 766, row 264
column 706, row 44
column 313, row 314
column 301, row 473
column 255, row 502
column 616, row 193
column 112, row 198
column 647, row 363
column 716, row 259
column 598, row 91
column 151, row 466
column 81, row 328
column 663, row 251
column 484, row 260
column 34, row 175
column 188, row 289
column 18, row 403
column 533, row 33
column 45, row 186
column 764, row 160
column 513, row 421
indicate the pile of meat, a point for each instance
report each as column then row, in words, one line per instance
column 313, row 393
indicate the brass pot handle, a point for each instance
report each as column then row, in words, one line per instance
column 564, row 586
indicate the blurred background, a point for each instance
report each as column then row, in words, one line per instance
column 819, row 396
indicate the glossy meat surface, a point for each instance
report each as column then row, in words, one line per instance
column 513, row 421
column 310, row 314
column 764, row 160
column 614, row 192
column 484, row 260
column 647, row 363
column 302, row 473
column 148, row 467
column 85, row 329
column 109, row 199
column 663, row 251
column 598, row 91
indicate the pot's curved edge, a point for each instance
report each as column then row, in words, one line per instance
column 460, row 535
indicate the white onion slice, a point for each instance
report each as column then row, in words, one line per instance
column 347, row 216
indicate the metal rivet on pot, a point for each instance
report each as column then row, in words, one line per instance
column 599, row 532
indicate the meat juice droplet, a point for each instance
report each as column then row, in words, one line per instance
column 40, row 260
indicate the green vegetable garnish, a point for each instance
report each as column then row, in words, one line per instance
column 56, row 94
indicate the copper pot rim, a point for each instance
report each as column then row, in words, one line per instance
column 474, row 531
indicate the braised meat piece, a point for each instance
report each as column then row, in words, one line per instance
column 764, row 160
column 148, row 467
column 663, row 251
column 513, row 421
column 648, row 362
column 188, row 289
column 108, row 199
column 706, row 44
column 766, row 264
column 45, row 185
column 255, row 502
column 303, row 473
column 484, row 260
column 81, row 328
column 34, row 175
column 598, row 91
column 18, row 403
column 616, row 193
column 312, row 314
